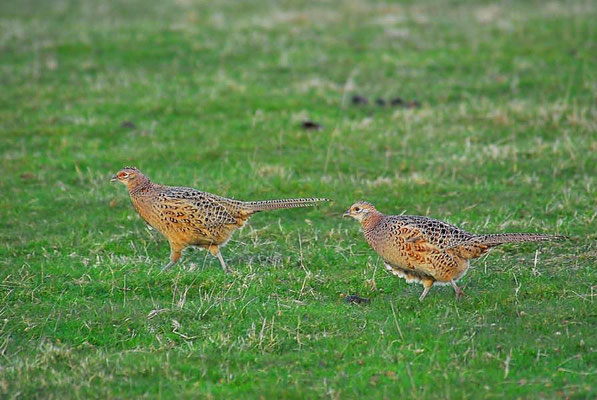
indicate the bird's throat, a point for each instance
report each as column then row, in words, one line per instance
column 371, row 219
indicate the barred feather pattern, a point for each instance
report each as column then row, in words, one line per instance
column 266, row 205
column 501, row 238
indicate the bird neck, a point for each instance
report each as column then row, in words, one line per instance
column 140, row 184
column 371, row 219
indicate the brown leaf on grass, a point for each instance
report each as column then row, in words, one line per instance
column 373, row 380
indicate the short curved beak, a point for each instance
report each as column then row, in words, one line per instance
column 114, row 178
column 346, row 214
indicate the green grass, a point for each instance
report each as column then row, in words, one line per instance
column 505, row 140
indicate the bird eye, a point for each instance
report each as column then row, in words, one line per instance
column 357, row 209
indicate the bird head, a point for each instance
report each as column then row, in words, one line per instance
column 130, row 177
column 360, row 210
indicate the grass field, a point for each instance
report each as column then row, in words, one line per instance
column 212, row 95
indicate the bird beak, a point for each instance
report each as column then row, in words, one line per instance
column 114, row 178
column 346, row 214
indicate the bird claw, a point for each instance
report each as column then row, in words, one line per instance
column 166, row 267
column 227, row 270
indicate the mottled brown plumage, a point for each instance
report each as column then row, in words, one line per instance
column 425, row 250
column 189, row 217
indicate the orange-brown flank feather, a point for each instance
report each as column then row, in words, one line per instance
column 425, row 250
column 189, row 217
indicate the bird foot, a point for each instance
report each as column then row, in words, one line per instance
column 425, row 291
column 167, row 266
column 459, row 294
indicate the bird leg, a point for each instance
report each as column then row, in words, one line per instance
column 427, row 284
column 216, row 252
column 222, row 263
column 459, row 292
column 175, row 252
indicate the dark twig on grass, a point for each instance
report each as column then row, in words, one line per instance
column 311, row 125
column 357, row 299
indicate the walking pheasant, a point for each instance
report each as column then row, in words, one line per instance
column 189, row 217
column 425, row 250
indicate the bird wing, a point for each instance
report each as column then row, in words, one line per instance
column 198, row 208
column 429, row 234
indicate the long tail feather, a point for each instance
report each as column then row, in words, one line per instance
column 500, row 238
column 266, row 205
